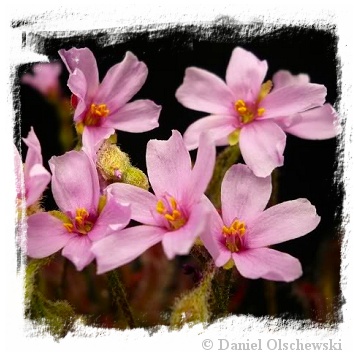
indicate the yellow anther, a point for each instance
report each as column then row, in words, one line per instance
column 160, row 207
column 261, row 111
column 99, row 110
column 169, row 217
column 176, row 214
column 233, row 235
column 69, row 227
column 173, row 203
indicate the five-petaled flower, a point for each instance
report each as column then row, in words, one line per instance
column 242, row 234
column 175, row 214
column 36, row 178
column 253, row 113
column 102, row 107
column 85, row 216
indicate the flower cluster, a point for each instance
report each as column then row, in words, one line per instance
column 99, row 193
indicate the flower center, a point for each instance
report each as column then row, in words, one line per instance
column 81, row 222
column 94, row 115
column 169, row 209
column 247, row 113
column 233, row 235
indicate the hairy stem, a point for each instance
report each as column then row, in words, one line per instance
column 119, row 297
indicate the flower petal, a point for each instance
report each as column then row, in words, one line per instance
column 293, row 99
column 78, row 86
column 44, row 78
column 37, row 180
column 135, row 117
column 268, row 264
column 282, row 222
column 211, row 234
column 218, row 127
column 78, row 251
column 205, row 92
column 318, row 123
column 124, row 246
column 93, row 137
column 262, row 144
column 84, row 60
column 245, row 74
column 45, row 235
column 34, row 153
column 122, row 82
column 142, row 202
column 168, row 165
column 180, row 241
column 114, row 217
column 75, row 182
column 284, row 78
column 203, row 169
column 243, row 195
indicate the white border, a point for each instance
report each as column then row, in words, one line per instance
column 84, row 16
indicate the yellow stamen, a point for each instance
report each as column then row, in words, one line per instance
column 171, row 213
column 69, row 227
column 261, row 111
column 233, row 235
column 160, row 207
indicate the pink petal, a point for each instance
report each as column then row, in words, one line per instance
column 34, row 153
column 282, row 222
column 245, row 74
column 142, row 202
column 44, row 77
column 45, row 235
column 124, row 246
column 211, row 235
column 262, row 144
column 82, row 59
column 203, row 169
column 78, row 251
column 75, row 182
column 218, row 127
column 93, row 137
column 180, row 241
column 293, row 99
column 285, row 78
column 114, row 217
column 135, row 117
column 318, row 123
column 122, row 82
column 268, row 264
column 78, row 86
column 243, row 194
column 168, row 165
column 205, row 92
column 36, row 182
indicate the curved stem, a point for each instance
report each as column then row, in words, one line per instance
column 120, row 298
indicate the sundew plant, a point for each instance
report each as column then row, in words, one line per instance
column 179, row 176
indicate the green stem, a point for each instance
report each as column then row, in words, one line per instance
column 119, row 296
column 224, row 161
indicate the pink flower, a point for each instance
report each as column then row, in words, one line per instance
column 45, row 78
column 36, row 177
column 85, row 217
column 102, row 107
column 174, row 215
column 244, row 231
column 245, row 109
